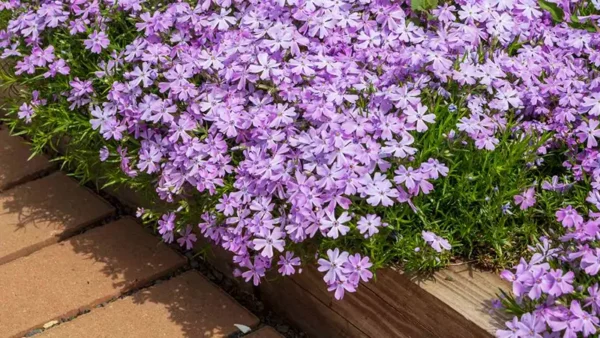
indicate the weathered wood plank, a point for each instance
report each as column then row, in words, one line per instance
column 470, row 292
column 305, row 311
column 439, row 318
column 366, row 310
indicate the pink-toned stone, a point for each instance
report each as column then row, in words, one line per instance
column 15, row 167
column 265, row 332
column 62, row 279
column 185, row 306
column 39, row 213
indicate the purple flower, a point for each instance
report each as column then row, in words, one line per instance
column 149, row 158
column 518, row 287
column 438, row 243
column 409, row 176
column 26, row 112
column 591, row 104
column 340, row 286
column 591, row 262
column 419, row 117
column 166, row 224
column 96, row 42
column 531, row 326
column 269, row 240
column 513, row 330
column 539, row 281
column 434, row 169
column 255, row 271
column 104, row 153
column 221, row 21
column 526, row 200
column 103, row 119
column 357, row 268
column 287, row 264
column 265, row 66
column 57, row 67
column 380, row 191
column 569, row 217
column 589, row 131
column 334, row 227
column 143, row 76
column 506, row 209
column 583, row 320
column 333, row 266
column 554, row 186
column 369, row 225
column 187, row 239
column 556, row 283
column 594, row 298
column 140, row 212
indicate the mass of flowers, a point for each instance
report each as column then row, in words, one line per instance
column 359, row 132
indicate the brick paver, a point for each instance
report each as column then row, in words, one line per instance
column 41, row 212
column 14, row 166
column 185, row 306
column 60, row 280
column 265, row 332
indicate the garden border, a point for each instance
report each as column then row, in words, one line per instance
column 452, row 303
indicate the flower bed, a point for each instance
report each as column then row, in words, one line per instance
column 454, row 302
column 351, row 133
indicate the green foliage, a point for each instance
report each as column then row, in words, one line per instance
column 423, row 5
column 467, row 205
column 555, row 11
column 582, row 10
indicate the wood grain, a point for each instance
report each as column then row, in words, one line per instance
column 365, row 309
column 469, row 291
column 305, row 311
column 439, row 318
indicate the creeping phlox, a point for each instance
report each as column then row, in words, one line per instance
column 556, row 291
column 293, row 112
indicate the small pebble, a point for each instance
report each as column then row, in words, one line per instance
column 50, row 324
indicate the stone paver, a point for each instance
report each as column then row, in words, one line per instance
column 60, row 280
column 265, row 332
column 14, row 166
column 39, row 213
column 185, row 306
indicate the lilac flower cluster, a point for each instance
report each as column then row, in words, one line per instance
column 294, row 112
column 559, row 284
column 343, row 272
